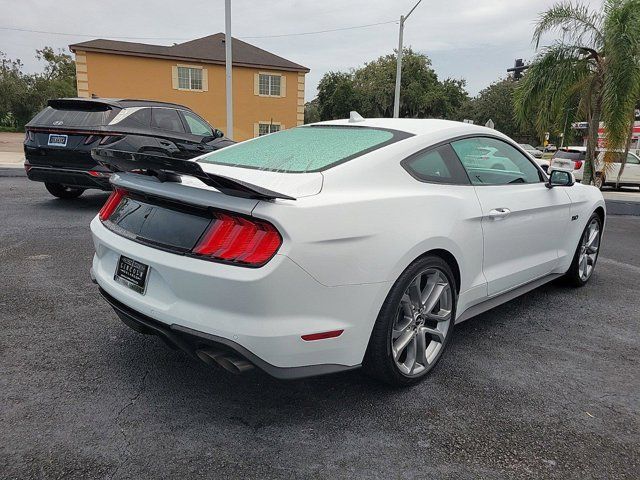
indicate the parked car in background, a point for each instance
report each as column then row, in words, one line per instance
column 336, row 245
column 573, row 159
column 59, row 139
column 531, row 150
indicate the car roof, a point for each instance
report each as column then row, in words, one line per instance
column 418, row 126
column 122, row 102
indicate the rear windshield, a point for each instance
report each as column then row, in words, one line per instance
column 574, row 155
column 53, row 117
column 305, row 149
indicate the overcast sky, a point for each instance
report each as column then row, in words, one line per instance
column 475, row 40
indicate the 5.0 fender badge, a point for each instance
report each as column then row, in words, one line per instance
column 575, row 217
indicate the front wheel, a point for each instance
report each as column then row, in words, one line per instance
column 414, row 324
column 584, row 260
column 62, row 191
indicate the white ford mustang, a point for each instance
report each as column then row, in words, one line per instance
column 336, row 245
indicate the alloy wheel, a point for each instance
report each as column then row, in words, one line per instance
column 422, row 322
column 589, row 246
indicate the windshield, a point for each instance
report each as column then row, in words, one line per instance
column 305, row 149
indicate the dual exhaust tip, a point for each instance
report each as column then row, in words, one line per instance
column 228, row 361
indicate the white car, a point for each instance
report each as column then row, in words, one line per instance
column 531, row 150
column 336, row 245
column 573, row 159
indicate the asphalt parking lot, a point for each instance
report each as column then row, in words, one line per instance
column 547, row 386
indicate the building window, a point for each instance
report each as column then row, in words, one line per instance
column 189, row 78
column 269, row 85
column 266, row 128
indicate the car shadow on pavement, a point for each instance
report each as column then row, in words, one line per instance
column 173, row 381
column 88, row 201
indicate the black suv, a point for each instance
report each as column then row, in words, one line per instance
column 59, row 139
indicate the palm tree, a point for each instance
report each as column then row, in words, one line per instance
column 595, row 67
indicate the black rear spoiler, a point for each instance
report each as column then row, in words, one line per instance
column 85, row 104
column 167, row 169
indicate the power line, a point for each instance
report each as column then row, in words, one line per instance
column 66, row 34
column 324, row 31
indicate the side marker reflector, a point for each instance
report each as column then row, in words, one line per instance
column 322, row 335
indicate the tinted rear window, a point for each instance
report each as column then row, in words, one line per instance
column 53, row 117
column 305, row 149
column 574, row 155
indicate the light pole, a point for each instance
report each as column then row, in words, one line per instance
column 228, row 67
column 396, row 101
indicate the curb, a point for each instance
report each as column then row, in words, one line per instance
column 13, row 171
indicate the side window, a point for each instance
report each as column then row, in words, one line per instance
column 437, row 165
column 166, row 119
column 632, row 159
column 196, row 126
column 490, row 161
column 139, row 118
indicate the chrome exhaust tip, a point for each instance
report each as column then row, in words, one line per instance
column 234, row 364
column 209, row 356
column 225, row 360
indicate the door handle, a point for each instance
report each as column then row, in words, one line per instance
column 499, row 213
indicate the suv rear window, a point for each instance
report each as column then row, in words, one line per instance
column 570, row 155
column 53, row 117
column 305, row 149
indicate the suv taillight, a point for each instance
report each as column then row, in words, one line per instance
column 577, row 165
column 239, row 240
column 110, row 205
column 29, row 136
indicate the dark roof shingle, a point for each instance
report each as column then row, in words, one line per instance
column 210, row 49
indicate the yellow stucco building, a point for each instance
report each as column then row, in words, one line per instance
column 268, row 90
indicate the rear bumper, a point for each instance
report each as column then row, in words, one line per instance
column 261, row 313
column 66, row 176
column 189, row 341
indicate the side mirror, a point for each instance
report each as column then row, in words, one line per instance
column 210, row 138
column 560, row 178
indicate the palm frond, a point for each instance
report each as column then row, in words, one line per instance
column 621, row 89
column 581, row 25
column 549, row 88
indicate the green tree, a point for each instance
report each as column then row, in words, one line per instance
column 23, row 95
column 597, row 65
column 312, row 111
column 337, row 95
column 370, row 90
column 496, row 103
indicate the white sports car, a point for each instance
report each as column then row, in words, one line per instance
column 336, row 245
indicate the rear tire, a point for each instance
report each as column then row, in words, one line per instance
column 62, row 191
column 410, row 334
column 586, row 255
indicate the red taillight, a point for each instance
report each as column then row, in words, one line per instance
column 322, row 335
column 240, row 240
column 95, row 173
column 578, row 165
column 112, row 202
column 91, row 139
